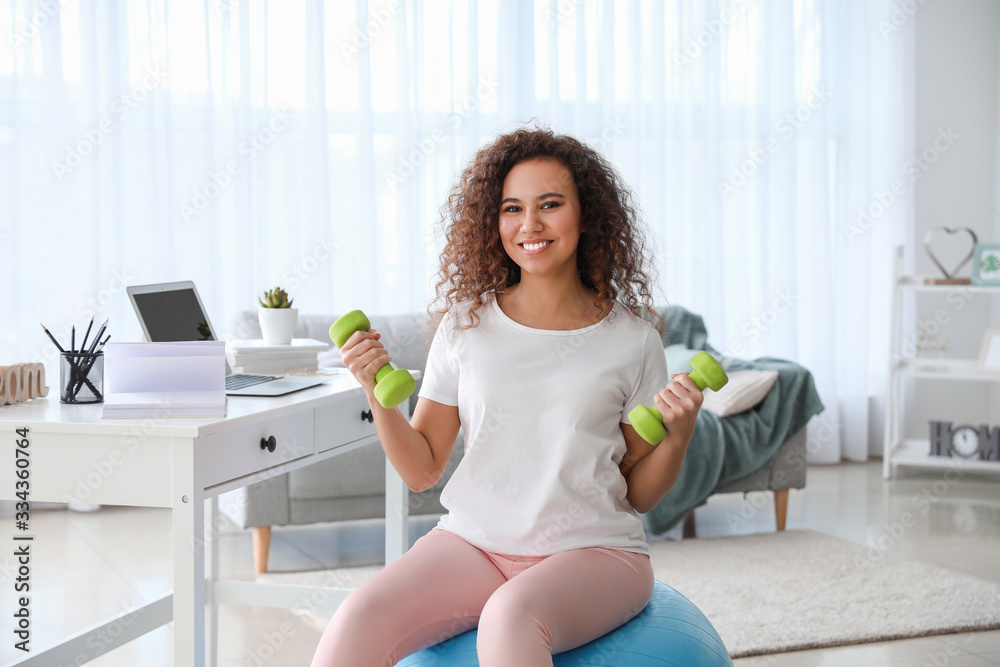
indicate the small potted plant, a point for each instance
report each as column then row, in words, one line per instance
column 277, row 317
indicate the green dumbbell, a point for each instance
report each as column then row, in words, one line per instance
column 392, row 386
column 705, row 371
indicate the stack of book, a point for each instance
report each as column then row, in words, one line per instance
column 255, row 357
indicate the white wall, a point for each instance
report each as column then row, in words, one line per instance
column 995, row 323
column 957, row 49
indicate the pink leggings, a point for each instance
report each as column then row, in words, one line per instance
column 527, row 608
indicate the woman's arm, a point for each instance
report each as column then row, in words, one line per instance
column 419, row 449
column 651, row 470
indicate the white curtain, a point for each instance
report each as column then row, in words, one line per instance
column 245, row 144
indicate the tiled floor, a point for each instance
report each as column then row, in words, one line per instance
column 88, row 566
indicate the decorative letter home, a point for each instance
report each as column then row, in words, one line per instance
column 22, row 382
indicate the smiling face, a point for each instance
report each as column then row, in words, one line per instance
column 540, row 218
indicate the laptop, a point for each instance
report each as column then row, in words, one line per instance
column 170, row 312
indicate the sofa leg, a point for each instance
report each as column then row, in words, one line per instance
column 261, row 542
column 780, row 507
column 688, row 530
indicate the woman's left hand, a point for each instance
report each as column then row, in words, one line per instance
column 679, row 403
column 651, row 470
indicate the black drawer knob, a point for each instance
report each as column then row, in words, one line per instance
column 366, row 415
column 268, row 443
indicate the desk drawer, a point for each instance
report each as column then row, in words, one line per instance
column 342, row 422
column 231, row 454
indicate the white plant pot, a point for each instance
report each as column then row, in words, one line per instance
column 277, row 324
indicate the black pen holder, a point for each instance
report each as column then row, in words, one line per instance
column 81, row 377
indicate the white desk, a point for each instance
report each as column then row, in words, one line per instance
column 180, row 463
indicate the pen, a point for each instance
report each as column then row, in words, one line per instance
column 84, row 343
column 74, row 370
column 73, row 365
column 89, row 363
column 72, row 340
column 53, row 339
column 100, row 332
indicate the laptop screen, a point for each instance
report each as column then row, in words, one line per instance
column 171, row 312
column 172, row 316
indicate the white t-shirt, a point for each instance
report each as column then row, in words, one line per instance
column 541, row 411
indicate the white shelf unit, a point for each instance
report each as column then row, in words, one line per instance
column 897, row 450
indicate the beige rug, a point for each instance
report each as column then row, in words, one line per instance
column 794, row 590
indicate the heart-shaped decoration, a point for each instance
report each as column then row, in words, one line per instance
column 973, row 240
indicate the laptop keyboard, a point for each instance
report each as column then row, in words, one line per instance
column 234, row 382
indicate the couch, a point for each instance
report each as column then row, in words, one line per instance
column 352, row 486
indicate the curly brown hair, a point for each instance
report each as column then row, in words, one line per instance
column 612, row 257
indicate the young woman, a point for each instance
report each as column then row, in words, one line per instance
column 542, row 350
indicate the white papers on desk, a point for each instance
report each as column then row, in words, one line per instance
column 182, row 379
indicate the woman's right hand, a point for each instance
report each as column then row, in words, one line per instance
column 364, row 355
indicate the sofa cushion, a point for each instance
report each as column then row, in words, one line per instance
column 355, row 508
column 407, row 337
column 356, row 473
column 744, row 390
column 264, row 503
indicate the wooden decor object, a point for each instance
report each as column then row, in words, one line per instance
column 22, row 382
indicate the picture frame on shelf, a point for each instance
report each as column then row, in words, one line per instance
column 986, row 264
column 989, row 352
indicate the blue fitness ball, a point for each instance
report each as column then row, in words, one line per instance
column 669, row 631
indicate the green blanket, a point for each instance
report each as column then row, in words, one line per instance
column 724, row 450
